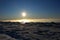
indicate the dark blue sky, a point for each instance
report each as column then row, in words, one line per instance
column 12, row 9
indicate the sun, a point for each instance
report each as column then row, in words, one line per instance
column 23, row 14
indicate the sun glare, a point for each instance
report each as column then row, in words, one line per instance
column 24, row 21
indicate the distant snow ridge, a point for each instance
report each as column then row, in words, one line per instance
column 6, row 37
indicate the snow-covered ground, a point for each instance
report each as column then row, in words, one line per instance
column 29, row 31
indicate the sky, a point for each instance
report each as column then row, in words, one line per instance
column 12, row 9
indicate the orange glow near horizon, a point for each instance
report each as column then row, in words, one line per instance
column 32, row 20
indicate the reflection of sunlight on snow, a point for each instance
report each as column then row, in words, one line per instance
column 24, row 21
